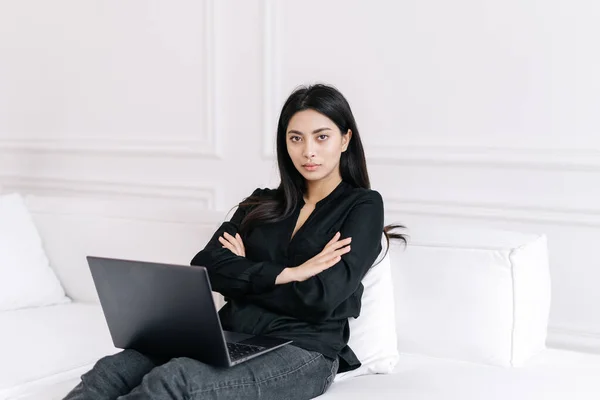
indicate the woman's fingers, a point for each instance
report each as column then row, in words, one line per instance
column 233, row 242
column 324, row 265
column 344, row 250
column 239, row 239
column 333, row 239
column 227, row 245
column 318, row 264
column 337, row 255
column 336, row 244
column 342, row 243
column 330, row 259
column 340, row 252
column 335, row 248
column 334, row 261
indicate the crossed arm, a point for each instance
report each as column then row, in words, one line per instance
column 310, row 291
column 327, row 258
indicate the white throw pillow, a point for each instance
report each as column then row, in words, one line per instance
column 26, row 279
column 373, row 334
column 474, row 294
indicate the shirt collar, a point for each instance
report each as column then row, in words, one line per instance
column 339, row 189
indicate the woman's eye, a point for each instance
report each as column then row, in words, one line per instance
column 321, row 137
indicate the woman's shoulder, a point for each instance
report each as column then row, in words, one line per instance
column 263, row 192
column 363, row 194
column 255, row 198
column 259, row 194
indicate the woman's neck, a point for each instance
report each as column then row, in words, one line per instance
column 318, row 190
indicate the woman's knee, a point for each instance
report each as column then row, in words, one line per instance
column 179, row 369
column 125, row 357
column 128, row 364
column 173, row 378
column 112, row 376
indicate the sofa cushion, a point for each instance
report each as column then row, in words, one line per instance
column 73, row 228
column 373, row 334
column 552, row 374
column 474, row 294
column 39, row 343
column 26, row 279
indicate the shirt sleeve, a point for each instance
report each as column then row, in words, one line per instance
column 315, row 299
column 232, row 275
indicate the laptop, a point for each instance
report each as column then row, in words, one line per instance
column 168, row 311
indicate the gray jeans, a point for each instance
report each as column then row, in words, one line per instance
column 288, row 373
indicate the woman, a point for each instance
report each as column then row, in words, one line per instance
column 289, row 264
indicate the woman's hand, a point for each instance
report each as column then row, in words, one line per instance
column 327, row 258
column 233, row 243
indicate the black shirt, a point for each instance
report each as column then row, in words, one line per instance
column 313, row 313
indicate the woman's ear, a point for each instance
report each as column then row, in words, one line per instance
column 346, row 140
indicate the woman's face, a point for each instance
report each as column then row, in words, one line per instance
column 312, row 138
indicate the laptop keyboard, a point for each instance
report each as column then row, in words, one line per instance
column 238, row 350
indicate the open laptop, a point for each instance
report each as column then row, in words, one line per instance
column 168, row 311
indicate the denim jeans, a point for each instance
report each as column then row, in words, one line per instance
column 287, row 373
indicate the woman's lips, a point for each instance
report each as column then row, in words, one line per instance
column 312, row 167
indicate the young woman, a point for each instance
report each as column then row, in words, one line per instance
column 289, row 264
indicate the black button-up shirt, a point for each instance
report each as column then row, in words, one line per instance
column 313, row 313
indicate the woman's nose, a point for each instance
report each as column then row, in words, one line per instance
column 309, row 154
column 308, row 151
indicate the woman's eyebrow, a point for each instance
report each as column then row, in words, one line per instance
column 315, row 131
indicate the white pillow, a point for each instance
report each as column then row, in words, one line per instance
column 473, row 293
column 373, row 334
column 26, row 279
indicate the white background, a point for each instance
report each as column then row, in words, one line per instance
column 471, row 111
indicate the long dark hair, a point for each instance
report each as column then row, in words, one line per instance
column 328, row 101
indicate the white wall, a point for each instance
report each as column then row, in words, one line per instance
column 474, row 111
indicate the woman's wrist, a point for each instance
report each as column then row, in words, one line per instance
column 285, row 276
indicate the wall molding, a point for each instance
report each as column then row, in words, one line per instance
column 503, row 157
column 271, row 77
column 210, row 92
column 394, row 154
column 112, row 146
column 494, row 211
column 207, row 147
column 204, row 197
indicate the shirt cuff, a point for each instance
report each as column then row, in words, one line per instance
column 264, row 278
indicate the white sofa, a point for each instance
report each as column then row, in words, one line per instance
column 451, row 346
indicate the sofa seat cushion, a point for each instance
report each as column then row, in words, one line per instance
column 48, row 369
column 50, row 343
column 552, row 374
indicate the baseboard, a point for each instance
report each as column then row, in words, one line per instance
column 573, row 340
